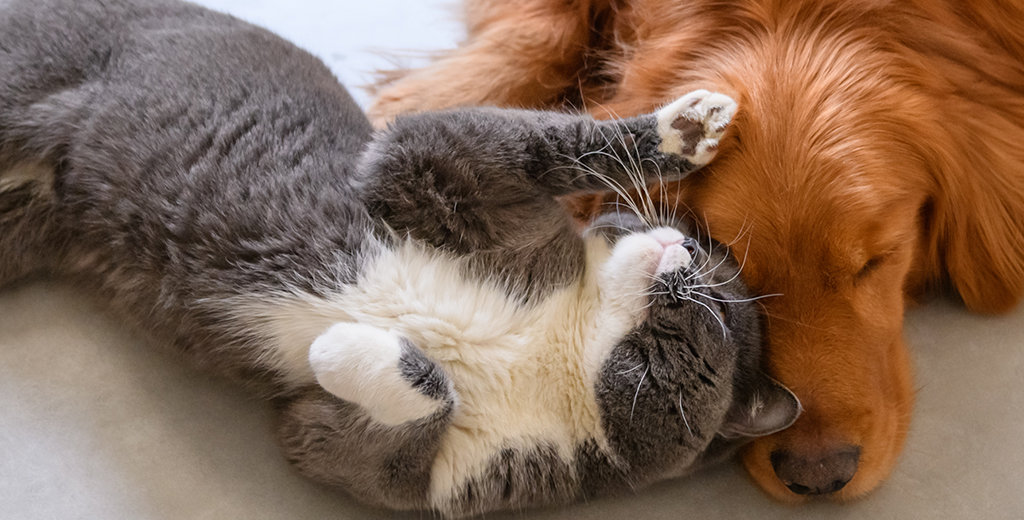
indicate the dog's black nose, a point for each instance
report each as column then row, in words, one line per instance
column 816, row 475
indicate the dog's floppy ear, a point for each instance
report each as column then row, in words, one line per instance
column 978, row 220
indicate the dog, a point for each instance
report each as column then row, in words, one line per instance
column 877, row 156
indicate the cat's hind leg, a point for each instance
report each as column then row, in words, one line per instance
column 384, row 373
column 375, row 424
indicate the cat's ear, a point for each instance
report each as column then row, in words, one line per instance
column 765, row 409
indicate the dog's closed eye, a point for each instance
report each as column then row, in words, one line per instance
column 871, row 266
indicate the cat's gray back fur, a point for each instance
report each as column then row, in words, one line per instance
column 134, row 92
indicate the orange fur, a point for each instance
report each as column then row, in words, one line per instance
column 878, row 152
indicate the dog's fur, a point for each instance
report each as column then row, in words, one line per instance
column 878, row 153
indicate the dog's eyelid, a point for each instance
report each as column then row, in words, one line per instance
column 872, row 264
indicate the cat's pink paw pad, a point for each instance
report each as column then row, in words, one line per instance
column 693, row 125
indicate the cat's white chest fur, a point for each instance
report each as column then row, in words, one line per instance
column 518, row 371
column 524, row 375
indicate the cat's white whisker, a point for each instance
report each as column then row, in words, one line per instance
column 637, row 394
column 649, row 305
column 739, row 271
column 635, row 177
column 611, row 226
column 701, row 270
column 630, row 370
column 725, row 332
column 687, row 423
column 738, row 300
column 612, row 184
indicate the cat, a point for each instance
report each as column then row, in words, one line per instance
column 432, row 329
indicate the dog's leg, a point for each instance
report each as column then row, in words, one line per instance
column 524, row 54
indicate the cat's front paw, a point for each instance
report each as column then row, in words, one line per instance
column 388, row 376
column 692, row 125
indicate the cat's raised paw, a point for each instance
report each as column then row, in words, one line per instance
column 692, row 125
column 381, row 371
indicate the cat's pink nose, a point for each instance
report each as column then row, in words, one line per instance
column 675, row 257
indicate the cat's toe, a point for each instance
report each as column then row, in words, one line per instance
column 692, row 125
column 381, row 371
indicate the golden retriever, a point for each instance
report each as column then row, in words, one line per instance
column 878, row 152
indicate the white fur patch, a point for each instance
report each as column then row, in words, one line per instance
column 360, row 364
column 710, row 111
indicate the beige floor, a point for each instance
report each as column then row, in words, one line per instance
column 97, row 423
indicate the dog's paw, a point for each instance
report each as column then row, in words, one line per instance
column 692, row 125
column 380, row 371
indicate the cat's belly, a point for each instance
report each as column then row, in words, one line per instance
column 519, row 371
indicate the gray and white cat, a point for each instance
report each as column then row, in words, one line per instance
column 431, row 328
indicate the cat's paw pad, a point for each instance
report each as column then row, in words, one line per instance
column 692, row 125
column 381, row 371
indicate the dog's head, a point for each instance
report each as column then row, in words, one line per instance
column 841, row 204
column 841, row 197
column 829, row 229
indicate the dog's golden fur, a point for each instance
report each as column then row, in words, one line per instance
column 878, row 152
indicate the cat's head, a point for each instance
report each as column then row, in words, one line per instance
column 681, row 384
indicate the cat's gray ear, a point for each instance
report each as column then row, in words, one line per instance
column 766, row 409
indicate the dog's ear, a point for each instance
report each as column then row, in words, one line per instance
column 979, row 234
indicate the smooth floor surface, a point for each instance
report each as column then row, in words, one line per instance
column 97, row 422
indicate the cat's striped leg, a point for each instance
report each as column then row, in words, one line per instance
column 384, row 373
column 517, row 153
column 668, row 144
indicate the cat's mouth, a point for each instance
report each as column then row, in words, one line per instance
column 687, row 284
column 680, row 267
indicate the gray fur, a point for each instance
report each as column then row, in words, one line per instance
column 488, row 191
column 197, row 159
column 423, row 374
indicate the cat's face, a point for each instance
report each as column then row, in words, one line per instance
column 683, row 386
